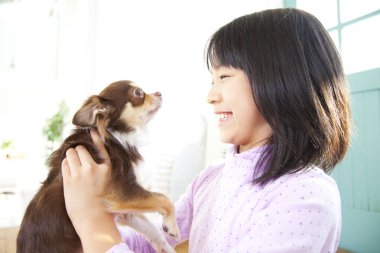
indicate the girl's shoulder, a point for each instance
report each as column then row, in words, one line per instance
column 313, row 177
column 309, row 184
column 210, row 171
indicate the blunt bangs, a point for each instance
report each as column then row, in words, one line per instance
column 225, row 48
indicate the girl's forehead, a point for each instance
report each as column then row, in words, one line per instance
column 214, row 69
column 218, row 68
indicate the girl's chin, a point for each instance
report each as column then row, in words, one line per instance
column 225, row 138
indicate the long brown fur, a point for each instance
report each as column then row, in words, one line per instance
column 46, row 227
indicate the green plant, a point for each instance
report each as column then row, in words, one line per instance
column 55, row 125
column 5, row 148
column 7, row 144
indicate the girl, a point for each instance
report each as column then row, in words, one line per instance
column 281, row 98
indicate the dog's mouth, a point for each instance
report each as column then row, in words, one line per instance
column 152, row 112
column 156, row 105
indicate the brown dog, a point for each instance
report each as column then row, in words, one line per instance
column 117, row 113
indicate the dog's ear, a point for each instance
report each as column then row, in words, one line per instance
column 95, row 112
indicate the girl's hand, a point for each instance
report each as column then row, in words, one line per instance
column 84, row 181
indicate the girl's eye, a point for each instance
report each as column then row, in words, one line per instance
column 223, row 76
column 139, row 92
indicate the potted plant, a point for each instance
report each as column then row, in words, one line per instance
column 54, row 127
column 6, row 147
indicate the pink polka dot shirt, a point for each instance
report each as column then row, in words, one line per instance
column 223, row 211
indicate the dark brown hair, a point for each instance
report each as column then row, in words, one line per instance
column 298, row 85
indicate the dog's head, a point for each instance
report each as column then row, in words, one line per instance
column 121, row 107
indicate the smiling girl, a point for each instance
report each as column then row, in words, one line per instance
column 240, row 122
column 282, row 102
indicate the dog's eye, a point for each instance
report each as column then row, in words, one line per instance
column 139, row 92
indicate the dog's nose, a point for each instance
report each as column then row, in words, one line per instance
column 157, row 94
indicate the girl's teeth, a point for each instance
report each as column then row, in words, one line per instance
column 224, row 116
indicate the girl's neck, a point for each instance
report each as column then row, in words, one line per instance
column 242, row 148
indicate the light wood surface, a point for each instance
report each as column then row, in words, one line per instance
column 183, row 247
column 8, row 239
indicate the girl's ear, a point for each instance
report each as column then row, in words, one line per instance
column 95, row 112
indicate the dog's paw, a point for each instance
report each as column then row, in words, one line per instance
column 172, row 235
column 172, row 230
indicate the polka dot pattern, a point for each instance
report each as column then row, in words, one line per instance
column 222, row 211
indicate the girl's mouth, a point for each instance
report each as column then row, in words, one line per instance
column 223, row 117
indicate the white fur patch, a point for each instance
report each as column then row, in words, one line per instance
column 137, row 138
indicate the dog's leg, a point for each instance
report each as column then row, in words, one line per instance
column 146, row 228
column 149, row 202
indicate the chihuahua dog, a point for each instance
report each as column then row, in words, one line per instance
column 117, row 113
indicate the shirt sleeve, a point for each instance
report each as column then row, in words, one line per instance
column 132, row 242
column 184, row 205
column 302, row 216
column 184, row 214
column 120, row 248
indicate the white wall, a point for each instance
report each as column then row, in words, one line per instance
column 160, row 44
column 70, row 49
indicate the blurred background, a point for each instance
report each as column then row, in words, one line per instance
column 56, row 53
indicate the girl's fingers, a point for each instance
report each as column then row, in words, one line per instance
column 65, row 169
column 99, row 145
column 84, row 156
column 73, row 161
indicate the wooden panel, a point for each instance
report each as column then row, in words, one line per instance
column 361, row 231
column 8, row 239
column 364, row 81
column 182, row 247
column 366, row 156
column 358, row 175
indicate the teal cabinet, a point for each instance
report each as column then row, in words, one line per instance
column 358, row 175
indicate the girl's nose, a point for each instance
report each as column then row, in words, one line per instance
column 213, row 96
